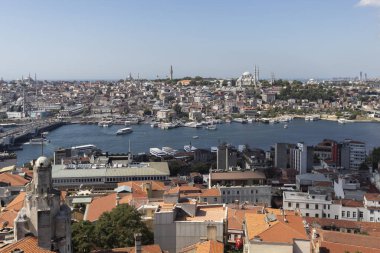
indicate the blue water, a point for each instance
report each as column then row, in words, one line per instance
column 255, row 135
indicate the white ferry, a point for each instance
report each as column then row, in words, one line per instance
column 38, row 141
column 122, row 131
column 157, row 152
column 169, row 150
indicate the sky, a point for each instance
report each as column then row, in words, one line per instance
column 108, row 39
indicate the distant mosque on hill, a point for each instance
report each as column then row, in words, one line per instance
column 248, row 79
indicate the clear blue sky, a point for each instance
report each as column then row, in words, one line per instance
column 107, row 39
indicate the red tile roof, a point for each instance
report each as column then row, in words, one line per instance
column 28, row 245
column 155, row 248
column 13, row 179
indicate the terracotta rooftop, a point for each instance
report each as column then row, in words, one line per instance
column 204, row 247
column 213, row 192
column 209, row 212
column 273, row 231
column 106, row 203
column 372, row 228
column 13, row 179
column 332, row 241
column 156, row 185
column 239, row 175
column 27, row 244
column 372, row 196
column 349, row 203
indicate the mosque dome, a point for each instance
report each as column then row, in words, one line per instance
column 246, row 73
column 43, row 161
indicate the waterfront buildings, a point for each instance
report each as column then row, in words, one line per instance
column 353, row 154
column 301, row 158
column 250, row 194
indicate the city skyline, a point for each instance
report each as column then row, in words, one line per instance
column 109, row 40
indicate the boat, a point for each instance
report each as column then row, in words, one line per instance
column 211, row 127
column 193, row 125
column 286, row 126
column 228, row 121
column 157, row 152
column 45, row 133
column 154, row 124
column 38, row 141
column 240, row 120
column 214, row 149
column 189, row 148
column 169, row 150
column 342, row 121
column 126, row 130
column 195, row 137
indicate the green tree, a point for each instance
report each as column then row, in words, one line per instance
column 116, row 229
column 83, row 236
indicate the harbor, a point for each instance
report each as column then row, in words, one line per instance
column 256, row 134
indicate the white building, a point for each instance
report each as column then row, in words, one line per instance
column 320, row 206
column 246, row 79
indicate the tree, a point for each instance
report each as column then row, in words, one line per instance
column 83, row 236
column 116, row 229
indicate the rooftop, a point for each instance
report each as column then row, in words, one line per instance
column 208, row 213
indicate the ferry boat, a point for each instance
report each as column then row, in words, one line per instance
column 157, row 152
column 38, row 141
column 122, row 131
column 169, row 150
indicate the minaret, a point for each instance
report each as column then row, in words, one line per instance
column 171, row 72
column 255, row 77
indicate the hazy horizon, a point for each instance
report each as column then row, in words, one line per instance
column 103, row 40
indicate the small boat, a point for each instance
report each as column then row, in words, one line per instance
column 44, row 133
column 195, row 137
column 342, row 121
column 286, row 126
column 211, row 127
column 122, row 131
column 154, row 124
column 38, row 141
column 189, row 148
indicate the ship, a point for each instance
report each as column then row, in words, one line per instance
column 38, row 141
column 157, row 152
column 122, row 131
column 211, row 127
column 189, row 148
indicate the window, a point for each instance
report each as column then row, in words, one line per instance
column 228, row 192
column 289, row 204
column 354, row 214
column 215, row 200
column 297, row 205
column 316, row 215
column 316, row 206
column 336, row 217
column 307, row 214
column 343, row 213
column 371, row 219
column 237, row 192
column 204, row 199
column 307, row 206
column 324, row 206
column 224, row 193
column 348, row 214
column 251, row 191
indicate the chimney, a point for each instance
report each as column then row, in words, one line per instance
column 138, row 243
